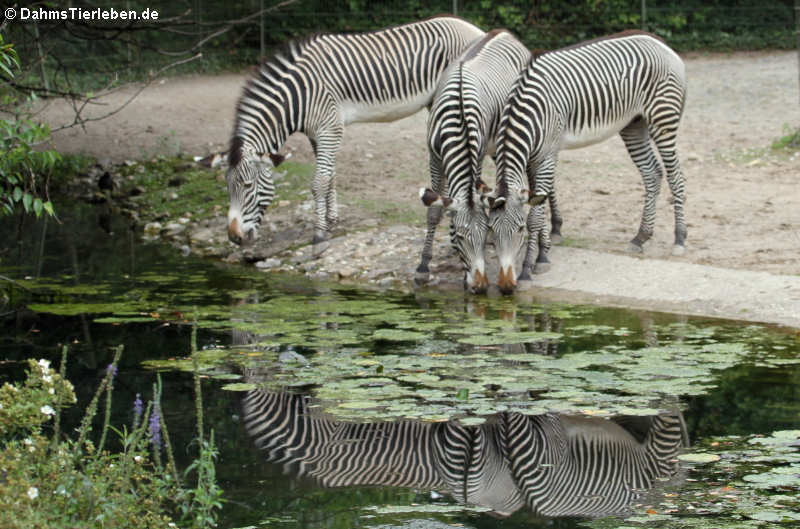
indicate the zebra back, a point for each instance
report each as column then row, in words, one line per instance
column 467, row 106
column 330, row 79
column 582, row 94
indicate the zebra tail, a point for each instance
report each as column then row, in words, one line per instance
column 472, row 133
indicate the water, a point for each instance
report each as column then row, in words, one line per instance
column 369, row 356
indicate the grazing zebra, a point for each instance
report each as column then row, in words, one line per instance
column 461, row 130
column 630, row 83
column 317, row 86
column 558, row 465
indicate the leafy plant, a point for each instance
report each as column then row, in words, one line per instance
column 50, row 481
column 24, row 170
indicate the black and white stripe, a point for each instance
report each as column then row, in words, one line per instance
column 557, row 465
column 461, row 131
column 317, row 86
column 630, row 83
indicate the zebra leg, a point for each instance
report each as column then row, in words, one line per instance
column 537, row 231
column 322, row 187
column 637, row 141
column 676, row 182
column 545, row 239
column 422, row 275
column 555, row 219
column 434, row 216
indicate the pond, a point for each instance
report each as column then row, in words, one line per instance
column 342, row 406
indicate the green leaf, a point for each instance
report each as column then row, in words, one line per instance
column 37, row 206
column 17, row 194
column 463, row 394
column 48, row 207
column 26, row 201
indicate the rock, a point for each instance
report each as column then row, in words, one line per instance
column 174, row 228
column 283, row 203
column 375, row 274
column 346, row 272
column 185, row 250
column 152, row 228
column 385, row 282
column 203, row 236
column 301, row 258
column 268, row 264
column 173, row 196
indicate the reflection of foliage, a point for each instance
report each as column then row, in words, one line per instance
column 24, row 170
column 789, row 141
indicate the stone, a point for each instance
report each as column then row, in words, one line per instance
column 152, row 228
column 174, row 228
column 346, row 272
column 203, row 236
column 268, row 264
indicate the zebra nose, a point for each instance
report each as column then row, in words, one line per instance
column 235, row 232
column 480, row 283
column 506, row 282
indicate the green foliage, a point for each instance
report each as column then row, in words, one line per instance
column 54, row 482
column 24, row 170
column 789, row 141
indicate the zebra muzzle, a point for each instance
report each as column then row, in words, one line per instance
column 235, row 232
column 480, row 283
column 506, row 281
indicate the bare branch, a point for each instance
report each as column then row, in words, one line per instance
column 80, row 120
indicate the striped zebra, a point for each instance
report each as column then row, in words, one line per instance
column 629, row 83
column 317, row 86
column 557, row 465
column 461, row 131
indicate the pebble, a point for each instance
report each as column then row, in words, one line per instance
column 152, row 228
column 267, row 264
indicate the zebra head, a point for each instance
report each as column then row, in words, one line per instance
column 251, row 189
column 468, row 228
column 507, row 220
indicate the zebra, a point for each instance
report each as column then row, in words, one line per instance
column 318, row 85
column 462, row 125
column 557, row 465
column 629, row 83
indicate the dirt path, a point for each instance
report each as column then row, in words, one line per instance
column 743, row 202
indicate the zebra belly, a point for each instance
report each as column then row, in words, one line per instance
column 589, row 136
column 355, row 112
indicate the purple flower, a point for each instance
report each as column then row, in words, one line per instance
column 154, row 428
column 112, row 369
column 138, row 409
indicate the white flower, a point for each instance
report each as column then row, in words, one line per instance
column 33, row 493
column 48, row 379
column 44, row 364
column 138, row 459
column 52, row 391
column 47, row 410
column 28, row 441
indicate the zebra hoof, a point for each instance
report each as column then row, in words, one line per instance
column 422, row 278
column 635, row 248
column 541, row 268
column 556, row 238
column 524, row 275
column 678, row 250
column 318, row 248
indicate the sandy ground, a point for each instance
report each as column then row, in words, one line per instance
column 743, row 202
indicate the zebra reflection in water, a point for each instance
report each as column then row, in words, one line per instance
column 557, row 465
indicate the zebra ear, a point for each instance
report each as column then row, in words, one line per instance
column 497, row 203
column 430, row 198
column 481, row 187
column 277, row 159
